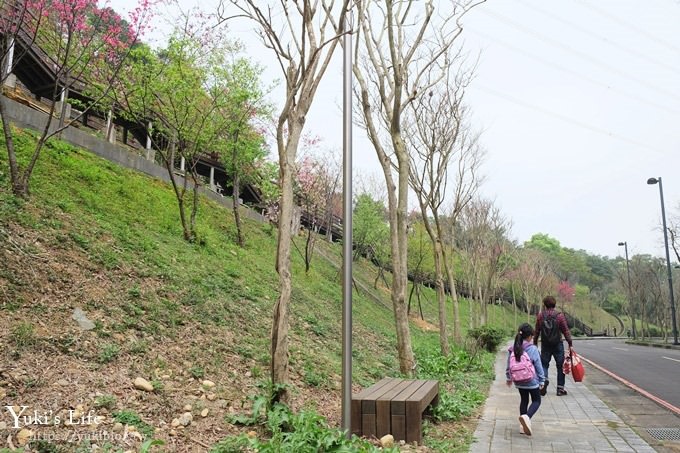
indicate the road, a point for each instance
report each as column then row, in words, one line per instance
column 654, row 370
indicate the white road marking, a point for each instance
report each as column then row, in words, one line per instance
column 621, row 349
column 669, row 358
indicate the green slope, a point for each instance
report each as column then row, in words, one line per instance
column 107, row 240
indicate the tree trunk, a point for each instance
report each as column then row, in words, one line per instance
column 457, row 334
column 400, row 252
column 439, row 280
column 236, row 194
column 514, row 302
column 14, row 173
column 632, row 321
column 482, row 302
column 281, row 318
column 441, row 300
column 309, row 248
column 169, row 159
column 194, row 205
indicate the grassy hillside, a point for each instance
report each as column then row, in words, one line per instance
column 191, row 319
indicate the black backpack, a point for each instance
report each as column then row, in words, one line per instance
column 550, row 330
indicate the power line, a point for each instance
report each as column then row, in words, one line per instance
column 601, row 38
column 575, row 73
column 567, row 119
column 604, row 13
column 502, row 18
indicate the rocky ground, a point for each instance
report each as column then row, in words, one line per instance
column 71, row 376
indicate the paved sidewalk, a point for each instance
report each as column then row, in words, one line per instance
column 578, row 422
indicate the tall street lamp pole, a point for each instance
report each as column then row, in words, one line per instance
column 668, row 257
column 630, row 294
column 347, row 241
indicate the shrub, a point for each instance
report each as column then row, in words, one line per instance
column 487, row 337
column 304, row 432
column 653, row 331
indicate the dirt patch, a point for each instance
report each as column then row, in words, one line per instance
column 76, row 387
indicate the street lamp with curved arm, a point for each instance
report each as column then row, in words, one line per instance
column 652, row 181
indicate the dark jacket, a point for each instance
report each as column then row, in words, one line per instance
column 561, row 322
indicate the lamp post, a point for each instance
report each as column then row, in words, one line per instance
column 347, row 227
column 630, row 296
column 668, row 257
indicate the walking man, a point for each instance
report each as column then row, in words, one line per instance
column 551, row 325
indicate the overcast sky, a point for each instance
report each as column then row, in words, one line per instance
column 579, row 103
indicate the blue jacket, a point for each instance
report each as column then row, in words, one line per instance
column 535, row 357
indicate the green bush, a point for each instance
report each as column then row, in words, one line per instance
column 653, row 331
column 459, row 374
column 487, row 337
column 576, row 332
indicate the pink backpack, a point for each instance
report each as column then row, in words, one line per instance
column 522, row 370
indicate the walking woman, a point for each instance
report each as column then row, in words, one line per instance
column 525, row 370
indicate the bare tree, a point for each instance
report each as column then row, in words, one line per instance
column 398, row 42
column 535, row 277
column 469, row 156
column 674, row 231
column 440, row 158
column 298, row 34
column 484, row 239
column 649, row 293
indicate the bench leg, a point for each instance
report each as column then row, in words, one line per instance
column 414, row 423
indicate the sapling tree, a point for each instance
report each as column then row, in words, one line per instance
column 316, row 185
column 184, row 88
column 444, row 165
column 19, row 24
column 303, row 35
column 484, row 239
column 243, row 145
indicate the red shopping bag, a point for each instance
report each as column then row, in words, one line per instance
column 577, row 370
column 566, row 365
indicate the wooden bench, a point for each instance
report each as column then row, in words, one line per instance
column 393, row 406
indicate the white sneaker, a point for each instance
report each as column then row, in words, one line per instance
column 521, row 429
column 525, row 421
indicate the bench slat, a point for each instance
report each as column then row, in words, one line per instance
column 383, row 411
column 398, row 409
column 357, row 399
column 368, row 409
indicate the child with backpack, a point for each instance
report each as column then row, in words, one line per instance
column 524, row 369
